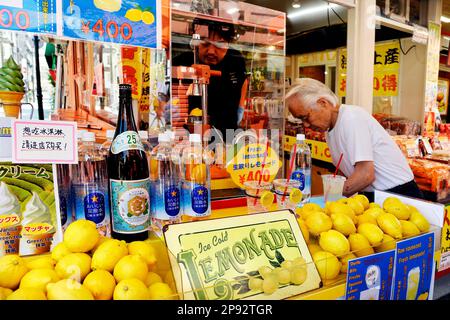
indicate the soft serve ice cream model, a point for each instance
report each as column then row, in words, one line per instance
column 37, row 229
column 10, row 218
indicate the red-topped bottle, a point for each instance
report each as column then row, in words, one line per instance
column 129, row 180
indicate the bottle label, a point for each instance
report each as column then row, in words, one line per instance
column 130, row 202
column 200, row 199
column 172, row 201
column 128, row 140
column 299, row 176
column 94, row 207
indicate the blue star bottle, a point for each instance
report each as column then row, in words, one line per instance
column 196, row 181
column 302, row 167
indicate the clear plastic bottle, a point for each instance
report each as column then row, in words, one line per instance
column 302, row 167
column 165, row 192
column 90, row 187
column 196, row 182
column 80, row 134
column 104, row 148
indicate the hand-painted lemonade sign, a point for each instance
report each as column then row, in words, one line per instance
column 118, row 21
column 223, row 260
column 254, row 162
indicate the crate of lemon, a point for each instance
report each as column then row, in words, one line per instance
column 353, row 227
column 88, row 266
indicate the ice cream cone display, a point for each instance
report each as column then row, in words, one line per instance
column 10, row 217
column 37, row 228
column 12, row 88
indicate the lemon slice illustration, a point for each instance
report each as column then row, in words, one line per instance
column 295, row 196
column 134, row 15
column 267, row 198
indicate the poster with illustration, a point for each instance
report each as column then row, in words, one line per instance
column 442, row 96
column 127, row 22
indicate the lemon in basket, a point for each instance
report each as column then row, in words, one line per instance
column 295, row 196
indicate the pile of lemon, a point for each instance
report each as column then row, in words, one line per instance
column 88, row 266
column 353, row 227
column 137, row 15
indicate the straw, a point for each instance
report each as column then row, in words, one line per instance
column 291, row 167
column 334, row 175
column 262, row 171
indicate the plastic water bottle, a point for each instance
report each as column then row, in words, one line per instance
column 196, row 185
column 80, row 134
column 165, row 188
column 104, row 148
column 302, row 167
column 90, row 186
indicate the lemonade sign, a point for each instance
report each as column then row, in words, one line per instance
column 254, row 161
column 232, row 259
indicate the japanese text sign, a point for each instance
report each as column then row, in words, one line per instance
column 385, row 74
column 44, row 142
column 370, row 277
column 444, row 261
column 414, row 267
column 216, row 261
column 28, row 15
column 119, row 21
column 132, row 69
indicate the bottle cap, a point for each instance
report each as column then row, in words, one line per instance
column 110, row 134
column 80, row 134
column 300, row 137
column 89, row 136
column 195, row 137
column 143, row 135
column 162, row 137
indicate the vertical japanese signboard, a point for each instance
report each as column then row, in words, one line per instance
column 37, row 16
column 386, row 70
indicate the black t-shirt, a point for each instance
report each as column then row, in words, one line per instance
column 224, row 93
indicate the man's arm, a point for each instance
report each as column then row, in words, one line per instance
column 362, row 177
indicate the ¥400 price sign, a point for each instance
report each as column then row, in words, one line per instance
column 118, row 21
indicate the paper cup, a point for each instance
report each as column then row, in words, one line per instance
column 9, row 240
column 11, row 102
column 31, row 244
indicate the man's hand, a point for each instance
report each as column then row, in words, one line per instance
column 362, row 177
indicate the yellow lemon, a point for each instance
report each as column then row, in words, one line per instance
column 152, row 277
column 267, row 198
column 39, row 278
column 295, row 196
column 337, row 207
column 409, row 229
column 4, row 293
column 357, row 206
column 419, row 220
column 145, row 250
column 390, row 201
column 344, row 261
column 367, row 218
column 363, row 200
column 334, row 242
column 100, row 241
column 132, row 266
column 374, row 205
column 327, row 264
column 313, row 248
column 375, row 211
column 388, row 243
column 197, row 112
column 75, row 266
column 372, row 232
column 46, row 262
column 81, row 236
column 131, row 289
column 390, row 225
column 108, row 254
column 148, row 17
column 343, row 223
column 68, row 289
column 310, row 207
column 160, row 291
column 134, row 15
column 59, row 251
column 359, row 245
column 399, row 210
column 12, row 269
column 101, row 284
column 318, row 222
column 27, row 294
column 304, row 229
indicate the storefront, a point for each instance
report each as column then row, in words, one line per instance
column 164, row 124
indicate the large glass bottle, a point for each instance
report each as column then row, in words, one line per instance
column 128, row 176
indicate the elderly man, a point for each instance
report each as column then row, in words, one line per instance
column 371, row 159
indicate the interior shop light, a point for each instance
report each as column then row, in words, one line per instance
column 445, row 19
column 311, row 10
column 232, row 10
column 296, row 4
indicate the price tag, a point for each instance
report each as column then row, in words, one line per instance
column 37, row 16
column 126, row 22
column 44, row 142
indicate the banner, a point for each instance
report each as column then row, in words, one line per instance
column 132, row 69
column 385, row 74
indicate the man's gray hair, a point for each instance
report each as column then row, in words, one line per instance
column 308, row 91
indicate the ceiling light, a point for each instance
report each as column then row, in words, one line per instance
column 445, row 19
column 271, row 48
column 311, row 10
column 232, row 10
column 296, row 4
